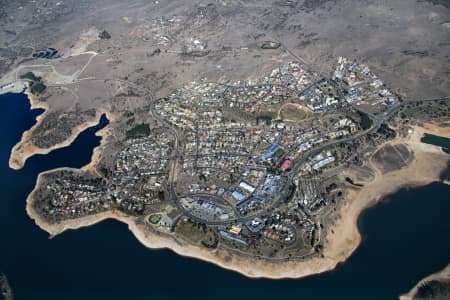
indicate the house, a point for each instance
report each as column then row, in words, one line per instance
column 285, row 165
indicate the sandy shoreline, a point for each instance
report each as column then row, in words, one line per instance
column 426, row 167
column 18, row 87
column 428, row 163
column 443, row 274
column 25, row 149
column 104, row 133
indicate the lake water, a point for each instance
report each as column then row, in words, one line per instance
column 438, row 141
column 405, row 239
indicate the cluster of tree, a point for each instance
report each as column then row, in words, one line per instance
column 266, row 116
column 366, row 121
column 270, row 45
column 141, row 130
column 36, row 84
column 387, row 132
column 104, row 35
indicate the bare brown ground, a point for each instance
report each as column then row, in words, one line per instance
column 86, row 38
column 442, row 130
column 426, row 167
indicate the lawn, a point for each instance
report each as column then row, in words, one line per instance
column 154, row 219
column 295, row 113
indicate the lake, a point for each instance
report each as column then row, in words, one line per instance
column 437, row 141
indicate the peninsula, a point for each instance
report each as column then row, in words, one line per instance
column 434, row 286
column 239, row 151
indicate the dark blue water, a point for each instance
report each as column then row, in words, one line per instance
column 405, row 239
column 438, row 141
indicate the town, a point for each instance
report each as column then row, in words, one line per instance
column 249, row 165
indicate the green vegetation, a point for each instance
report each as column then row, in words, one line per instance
column 141, row 130
column 156, row 52
column 270, row 45
column 266, row 116
column 295, row 113
column 154, row 219
column 196, row 232
column 202, row 177
column 430, row 110
column 387, row 132
column 130, row 121
column 36, row 84
column 128, row 114
column 104, row 35
column 37, row 88
column 30, row 76
column 366, row 121
column 279, row 153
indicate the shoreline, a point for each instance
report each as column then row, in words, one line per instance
column 18, row 87
column 104, row 134
column 6, row 292
column 25, row 149
column 443, row 274
column 426, row 167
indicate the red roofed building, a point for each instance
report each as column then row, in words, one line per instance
column 285, row 164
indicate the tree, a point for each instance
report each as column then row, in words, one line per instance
column 104, row 35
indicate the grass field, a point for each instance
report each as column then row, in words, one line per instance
column 154, row 219
column 196, row 233
column 141, row 130
column 295, row 112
